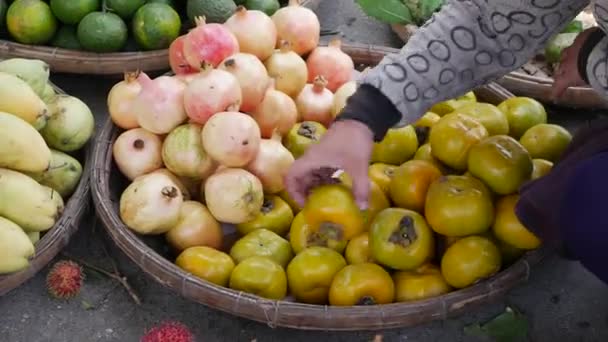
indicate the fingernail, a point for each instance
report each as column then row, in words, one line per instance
column 362, row 205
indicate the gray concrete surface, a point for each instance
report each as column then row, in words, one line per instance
column 562, row 301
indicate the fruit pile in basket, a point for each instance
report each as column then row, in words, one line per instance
column 112, row 25
column 41, row 133
column 207, row 149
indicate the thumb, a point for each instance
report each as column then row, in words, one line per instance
column 360, row 186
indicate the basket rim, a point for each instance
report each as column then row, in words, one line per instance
column 60, row 234
column 282, row 313
column 91, row 63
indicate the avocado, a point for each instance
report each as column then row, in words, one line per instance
column 214, row 11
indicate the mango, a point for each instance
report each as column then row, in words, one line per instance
column 33, row 236
column 62, row 175
column 22, row 148
column 18, row 98
column 33, row 71
column 48, row 94
column 70, row 125
column 32, row 206
column 15, row 247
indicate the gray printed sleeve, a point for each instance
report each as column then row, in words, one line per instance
column 597, row 62
column 466, row 44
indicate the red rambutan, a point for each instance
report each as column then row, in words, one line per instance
column 168, row 332
column 64, row 280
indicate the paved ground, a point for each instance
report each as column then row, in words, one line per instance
column 562, row 301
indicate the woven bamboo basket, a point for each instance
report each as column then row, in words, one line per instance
column 56, row 238
column 90, row 63
column 521, row 83
column 149, row 254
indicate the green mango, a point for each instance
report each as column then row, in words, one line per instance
column 33, row 71
column 63, row 174
column 70, row 125
column 15, row 247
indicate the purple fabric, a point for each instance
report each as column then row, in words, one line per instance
column 565, row 207
column 582, row 222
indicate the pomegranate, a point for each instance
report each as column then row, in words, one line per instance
column 331, row 63
column 151, row 204
column 159, row 106
column 254, row 30
column 177, row 60
column 276, row 114
column 252, row 77
column 120, row 99
column 298, row 25
column 231, row 138
column 184, row 155
column 234, row 195
column 315, row 102
column 271, row 164
column 341, row 96
column 209, row 43
column 137, row 152
column 288, row 69
column 213, row 91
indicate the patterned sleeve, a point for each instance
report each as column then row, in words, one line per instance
column 466, row 44
column 597, row 62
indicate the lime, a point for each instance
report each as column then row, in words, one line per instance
column 71, row 12
column 31, row 22
column 102, row 32
column 266, row 6
column 214, row 11
column 155, row 26
column 166, row 2
column 66, row 38
column 124, row 8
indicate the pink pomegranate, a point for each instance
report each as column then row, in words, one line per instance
column 209, row 43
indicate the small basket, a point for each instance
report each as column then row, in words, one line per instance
column 56, row 238
column 90, row 63
column 108, row 184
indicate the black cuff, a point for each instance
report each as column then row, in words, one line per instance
column 369, row 106
column 592, row 40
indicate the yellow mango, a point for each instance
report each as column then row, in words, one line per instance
column 18, row 98
column 32, row 206
column 22, row 148
column 15, row 247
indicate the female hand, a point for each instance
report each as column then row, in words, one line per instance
column 346, row 145
column 567, row 73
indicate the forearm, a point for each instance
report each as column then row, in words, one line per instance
column 467, row 44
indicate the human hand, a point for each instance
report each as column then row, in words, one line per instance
column 346, row 145
column 567, row 74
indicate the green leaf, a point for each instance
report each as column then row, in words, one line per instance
column 510, row 326
column 387, row 11
column 427, row 8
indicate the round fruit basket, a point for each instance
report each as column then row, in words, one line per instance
column 69, row 61
column 56, row 238
column 150, row 254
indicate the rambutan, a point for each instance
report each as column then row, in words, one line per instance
column 65, row 279
column 168, row 332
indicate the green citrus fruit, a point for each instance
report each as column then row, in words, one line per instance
column 102, row 32
column 522, row 113
column 71, row 12
column 124, row 8
column 31, row 22
column 217, row 11
column 66, row 38
column 155, row 26
column 266, row 6
column 546, row 141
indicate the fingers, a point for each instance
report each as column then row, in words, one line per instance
column 295, row 179
column 560, row 85
column 361, row 186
